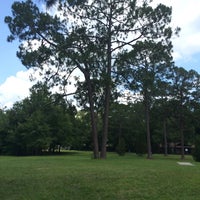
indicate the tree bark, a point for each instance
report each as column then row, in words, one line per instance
column 182, row 140
column 165, row 138
column 181, row 127
column 149, row 151
column 95, row 142
column 107, row 90
column 105, row 125
column 147, row 117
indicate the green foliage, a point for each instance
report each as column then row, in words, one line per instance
column 3, row 131
column 140, row 144
column 121, row 147
column 37, row 124
column 90, row 36
column 95, row 37
column 196, row 150
column 126, row 121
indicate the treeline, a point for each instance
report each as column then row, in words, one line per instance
column 45, row 122
column 114, row 45
column 41, row 123
column 111, row 43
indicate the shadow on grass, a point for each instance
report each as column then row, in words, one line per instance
column 67, row 153
column 173, row 157
column 46, row 153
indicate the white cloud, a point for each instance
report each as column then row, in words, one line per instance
column 15, row 88
column 186, row 15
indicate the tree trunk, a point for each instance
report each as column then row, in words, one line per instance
column 181, row 126
column 165, row 138
column 107, row 91
column 95, row 143
column 146, row 101
column 182, row 140
column 105, row 125
column 149, row 151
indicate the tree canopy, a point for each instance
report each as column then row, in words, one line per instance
column 108, row 41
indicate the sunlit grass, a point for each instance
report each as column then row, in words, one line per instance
column 76, row 176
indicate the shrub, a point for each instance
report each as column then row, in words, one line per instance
column 196, row 151
column 140, row 144
column 121, row 147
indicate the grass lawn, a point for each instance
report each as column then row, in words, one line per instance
column 75, row 176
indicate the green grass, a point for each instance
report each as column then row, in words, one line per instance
column 78, row 177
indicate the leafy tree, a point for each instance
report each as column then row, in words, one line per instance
column 119, row 127
column 3, row 130
column 162, row 109
column 127, row 128
column 37, row 124
column 147, row 65
column 81, row 134
column 184, row 86
column 161, row 113
column 196, row 151
column 88, row 35
column 195, row 106
column 121, row 147
column 195, row 119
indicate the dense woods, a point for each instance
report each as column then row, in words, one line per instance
column 117, row 46
column 45, row 122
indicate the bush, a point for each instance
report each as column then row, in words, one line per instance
column 140, row 144
column 196, row 151
column 121, row 147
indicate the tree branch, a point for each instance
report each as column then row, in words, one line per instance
column 126, row 43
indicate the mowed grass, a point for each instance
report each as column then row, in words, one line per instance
column 76, row 176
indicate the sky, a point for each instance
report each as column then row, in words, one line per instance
column 14, row 77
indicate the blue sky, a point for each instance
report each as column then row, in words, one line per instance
column 14, row 78
column 10, row 64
